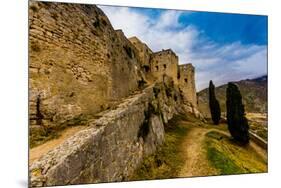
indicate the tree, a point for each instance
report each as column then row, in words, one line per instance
column 236, row 120
column 214, row 104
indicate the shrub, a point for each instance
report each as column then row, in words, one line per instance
column 214, row 104
column 236, row 120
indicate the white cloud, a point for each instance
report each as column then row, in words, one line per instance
column 169, row 19
column 159, row 34
column 231, row 62
column 132, row 23
column 213, row 61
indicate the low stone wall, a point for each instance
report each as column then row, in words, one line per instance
column 114, row 144
column 258, row 140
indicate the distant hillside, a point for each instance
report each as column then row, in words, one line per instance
column 254, row 93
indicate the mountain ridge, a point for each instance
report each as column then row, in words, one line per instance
column 253, row 91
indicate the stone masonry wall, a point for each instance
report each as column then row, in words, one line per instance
column 164, row 62
column 144, row 51
column 77, row 63
column 114, row 145
column 130, row 73
column 186, row 82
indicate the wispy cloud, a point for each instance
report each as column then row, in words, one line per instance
column 213, row 61
column 169, row 20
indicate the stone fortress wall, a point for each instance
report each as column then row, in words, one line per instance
column 186, row 81
column 144, row 52
column 166, row 62
column 80, row 67
column 78, row 64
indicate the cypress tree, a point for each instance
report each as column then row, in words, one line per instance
column 236, row 120
column 214, row 104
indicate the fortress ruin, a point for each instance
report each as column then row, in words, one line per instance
column 83, row 72
column 166, row 62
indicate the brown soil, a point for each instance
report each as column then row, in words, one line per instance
column 38, row 151
column 196, row 163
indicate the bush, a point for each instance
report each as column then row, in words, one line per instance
column 236, row 120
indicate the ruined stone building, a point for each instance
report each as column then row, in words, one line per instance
column 186, row 81
column 166, row 62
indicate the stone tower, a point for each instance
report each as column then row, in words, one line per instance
column 186, row 81
column 164, row 62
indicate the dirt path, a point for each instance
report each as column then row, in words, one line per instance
column 36, row 152
column 195, row 156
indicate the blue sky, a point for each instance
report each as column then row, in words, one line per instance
column 222, row 47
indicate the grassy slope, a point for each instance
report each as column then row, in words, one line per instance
column 223, row 154
column 168, row 160
column 230, row 158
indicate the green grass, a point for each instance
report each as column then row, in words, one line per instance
column 168, row 160
column 223, row 154
column 222, row 162
column 228, row 157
